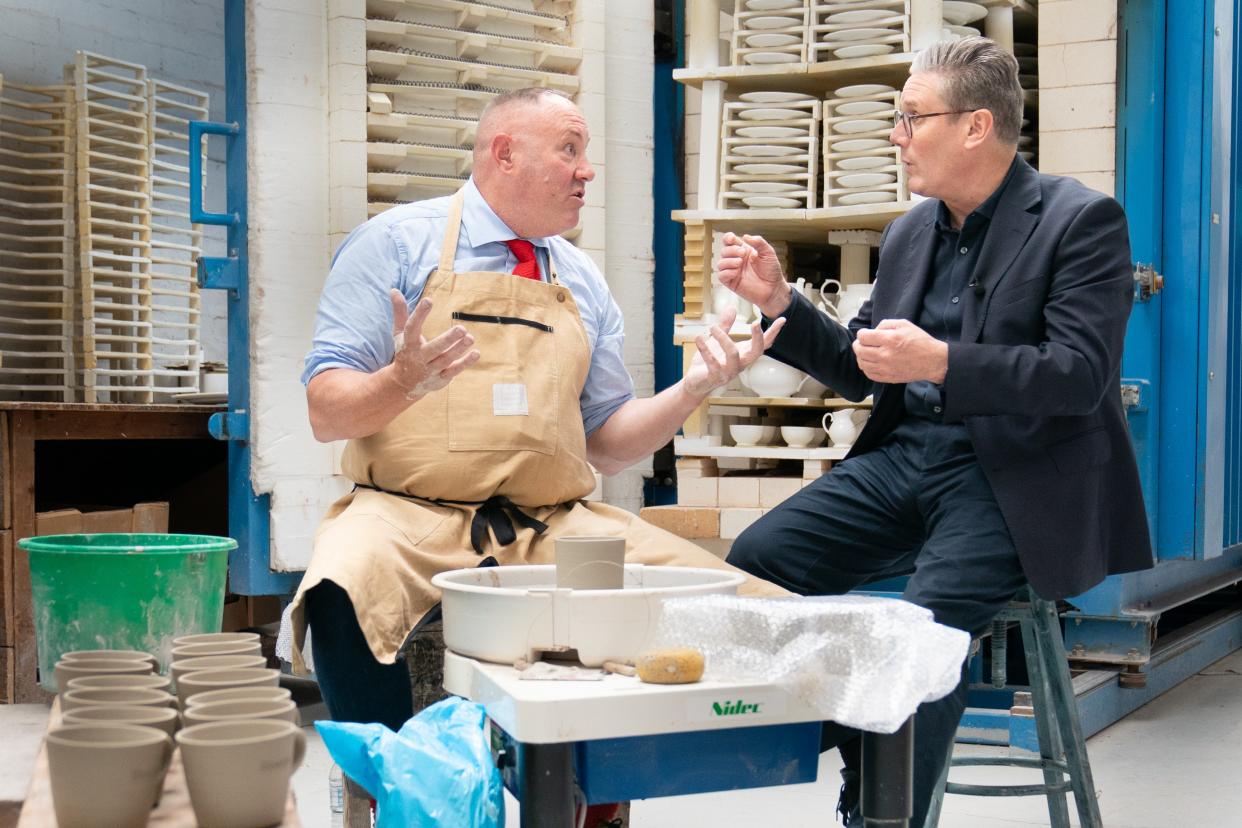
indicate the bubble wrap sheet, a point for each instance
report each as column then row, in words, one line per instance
column 863, row 662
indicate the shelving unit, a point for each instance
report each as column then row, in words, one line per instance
column 432, row 65
column 905, row 26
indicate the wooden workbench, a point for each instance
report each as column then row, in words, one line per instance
column 174, row 810
column 54, row 453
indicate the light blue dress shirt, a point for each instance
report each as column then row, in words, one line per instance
column 400, row 247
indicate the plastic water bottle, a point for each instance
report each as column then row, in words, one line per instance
column 336, row 796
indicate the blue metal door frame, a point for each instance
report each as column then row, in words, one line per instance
column 250, row 570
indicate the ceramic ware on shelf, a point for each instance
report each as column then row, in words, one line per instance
column 862, row 90
column 772, row 113
column 861, row 50
column 768, row 377
column 842, row 430
column 958, row 13
column 772, row 22
column 772, row 5
column 761, row 58
column 802, row 436
column 771, row 201
column 769, row 40
column 871, row 197
column 766, row 150
column 861, row 125
column 860, row 144
column 773, row 97
column 768, row 169
column 747, row 435
column 770, row 132
column 865, row 179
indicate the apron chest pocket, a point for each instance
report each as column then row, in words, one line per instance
column 509, row 399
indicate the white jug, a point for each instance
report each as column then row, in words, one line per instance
column 851, row 301
column 843, row 430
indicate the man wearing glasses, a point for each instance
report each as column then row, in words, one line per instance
column 997, row 453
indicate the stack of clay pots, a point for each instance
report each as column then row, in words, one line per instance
column 236, row 730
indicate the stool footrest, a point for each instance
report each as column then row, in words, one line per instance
column 1007, row 790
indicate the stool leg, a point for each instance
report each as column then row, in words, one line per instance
column 1047, row 716
column 937, row 800
column 1056, row 669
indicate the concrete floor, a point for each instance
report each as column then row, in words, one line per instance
column 1173, row 762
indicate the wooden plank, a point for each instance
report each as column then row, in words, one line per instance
column 6, row 675
column 174, row 810
column 118, row 424
column 6, row 483
column 6, row 588
column 26, row 657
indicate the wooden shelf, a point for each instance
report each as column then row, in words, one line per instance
column 801, row 225
column 692, row 448
column 804, row 77
column 786, row 402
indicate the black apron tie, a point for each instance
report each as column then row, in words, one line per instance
column 498, row 512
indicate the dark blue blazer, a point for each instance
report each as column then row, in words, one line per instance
column 1034, row 375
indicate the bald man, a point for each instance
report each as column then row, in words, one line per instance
column 472, row 358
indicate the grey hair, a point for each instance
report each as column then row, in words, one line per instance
column 976, row 73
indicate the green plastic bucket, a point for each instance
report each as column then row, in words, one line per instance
column 123, row 592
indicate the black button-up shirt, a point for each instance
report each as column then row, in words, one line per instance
column 949, row 284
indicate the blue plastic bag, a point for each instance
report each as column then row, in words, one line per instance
column 436, row 771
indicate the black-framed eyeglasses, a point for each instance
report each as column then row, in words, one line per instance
column 907, row 120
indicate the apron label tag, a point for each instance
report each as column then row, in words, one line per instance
column 509, row 400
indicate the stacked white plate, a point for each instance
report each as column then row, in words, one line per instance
column 957, row 16
column 859, row 29
column 1028, row 77
column 860, row 165
column 769, row 32
column 769, row 151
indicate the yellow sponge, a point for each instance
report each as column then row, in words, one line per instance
column 680, row 665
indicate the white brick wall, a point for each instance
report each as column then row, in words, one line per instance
column 181, row 42
column 1078, row 90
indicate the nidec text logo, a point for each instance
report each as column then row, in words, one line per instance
column 735, row 708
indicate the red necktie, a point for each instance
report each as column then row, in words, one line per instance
column 527, row 266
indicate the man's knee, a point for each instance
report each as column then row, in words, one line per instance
column 747, row 551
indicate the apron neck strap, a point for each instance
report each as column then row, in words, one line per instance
column 448, row 250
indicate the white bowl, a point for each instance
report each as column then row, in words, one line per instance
column 504, row 613
column 747, row 435
column 802, row 436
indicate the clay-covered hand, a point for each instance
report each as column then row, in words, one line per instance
column 748, row 266
column 897, row 351
column 720, row 359
column 421, row 366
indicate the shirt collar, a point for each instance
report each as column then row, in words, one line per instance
column 481, row 225
column 985, row 210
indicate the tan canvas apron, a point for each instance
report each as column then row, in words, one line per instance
column 509, row 426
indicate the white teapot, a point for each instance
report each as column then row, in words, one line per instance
column 768, row 377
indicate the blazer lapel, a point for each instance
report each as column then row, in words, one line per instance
column 1011, row 226
column 919, row 258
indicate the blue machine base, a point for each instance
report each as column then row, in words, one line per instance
column 676, row 764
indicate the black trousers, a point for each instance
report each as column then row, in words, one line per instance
column 355, row 686
column 919, row 504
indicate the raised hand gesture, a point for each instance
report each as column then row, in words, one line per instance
column 748, row 266
column 423, row 366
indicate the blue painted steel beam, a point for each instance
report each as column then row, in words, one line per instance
column 249, row 517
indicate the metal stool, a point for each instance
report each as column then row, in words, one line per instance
column 1062, row 748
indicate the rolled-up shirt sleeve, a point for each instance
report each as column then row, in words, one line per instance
column 353, row 326
column 608, row 383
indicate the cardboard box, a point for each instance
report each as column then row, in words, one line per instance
column 245, row 611
column 147, row 518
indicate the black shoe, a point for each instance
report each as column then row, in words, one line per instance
column 848, row 810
